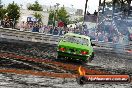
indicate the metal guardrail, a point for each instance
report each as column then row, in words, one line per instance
column 113, row 45
column 52, row 39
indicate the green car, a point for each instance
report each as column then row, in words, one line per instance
column 75, row 46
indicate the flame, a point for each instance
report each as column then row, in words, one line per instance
column 82, row 72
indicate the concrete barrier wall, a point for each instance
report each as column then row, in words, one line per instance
column 28, row 36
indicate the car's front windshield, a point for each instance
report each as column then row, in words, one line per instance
column 74, row 39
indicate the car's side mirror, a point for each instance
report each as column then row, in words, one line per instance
column 92, row 44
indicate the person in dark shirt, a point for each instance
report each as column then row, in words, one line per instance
column 37, row 28
column 51, row 30
column 95, row 13
column 2, row 23
column 55, row 31
column 88, row 13
column 34, row 28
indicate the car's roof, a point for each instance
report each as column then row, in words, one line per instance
column 77, row 35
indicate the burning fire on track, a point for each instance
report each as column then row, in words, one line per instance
column 82, row 71
column 83, row 78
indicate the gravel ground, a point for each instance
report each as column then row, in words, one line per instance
column 31, row 49
column 116, row 63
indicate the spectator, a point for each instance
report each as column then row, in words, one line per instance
column 55, row 31
column 34, row 28
column 22, row 26
column 41, row 29
column 110, row 39
column 37, row 28
column 95, row 13
column 46, row 30
column 61, row 32
column 2, row 23
column 31, row 27
column 51, row 30
column 105, row 39
column 12, row 24
column 88, row 13
column 115, row 39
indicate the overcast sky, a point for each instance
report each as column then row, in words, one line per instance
column 79, row 4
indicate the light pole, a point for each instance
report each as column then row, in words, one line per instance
column 21, row 6
column 54, row 16
column 103, row 6
column 72, row 9
column 85, row 9
column 99, row 2
column 0, row 7
column 57, row 4
column 55, row 13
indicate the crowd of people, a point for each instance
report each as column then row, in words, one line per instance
column 38, row 27
column 106, row 35
column 7, row 23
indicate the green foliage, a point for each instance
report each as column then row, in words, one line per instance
column 38, row 16
column 63, row 15
column 2, row 13
column 110, row 3
column 57, row 15
column 51, row 17
column 13, row 11
column 81, row 19
column 35, row 7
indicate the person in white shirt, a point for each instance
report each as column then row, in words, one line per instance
column 22, row 28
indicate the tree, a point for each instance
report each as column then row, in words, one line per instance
column 35, row 7
column 63, row 15
column 13, row 11
column 38, row 16
column 51, row 17
column 57, row 15
column 81, row 19
column 2, row 13
column 109, row 3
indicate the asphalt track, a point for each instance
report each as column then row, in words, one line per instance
column 105, row 61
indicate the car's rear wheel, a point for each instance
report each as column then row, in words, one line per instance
column 92, row 57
